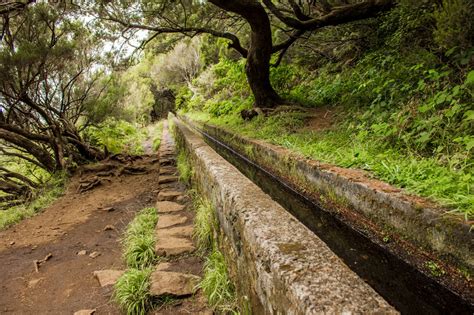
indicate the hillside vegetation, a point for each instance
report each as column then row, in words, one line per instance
column 385, row 86
column 398, row 89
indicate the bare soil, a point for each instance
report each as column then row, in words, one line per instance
column 320, row 118
column 64, row 283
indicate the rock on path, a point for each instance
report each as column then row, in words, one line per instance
column 173, row 234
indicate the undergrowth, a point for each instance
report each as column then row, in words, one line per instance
column 132, row 291
column 139, row 240
column 184, row 168
column 117, row 136
column 155, row 133
column 216, row 284
column 52, row 189
column 451, row 185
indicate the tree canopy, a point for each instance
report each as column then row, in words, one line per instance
column 70, row 72
column 242, row 21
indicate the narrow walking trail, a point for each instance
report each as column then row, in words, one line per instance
column 78, row 234
column 180, row 268
column 67, row 258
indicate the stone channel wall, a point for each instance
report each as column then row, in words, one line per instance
column 392, row 210
column 275, row 261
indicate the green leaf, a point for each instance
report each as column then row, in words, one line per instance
column 470, row 78
column 469, row 144
column 469, row 115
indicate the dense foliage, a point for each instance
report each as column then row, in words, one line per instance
column 400, row 99
column 396, row 78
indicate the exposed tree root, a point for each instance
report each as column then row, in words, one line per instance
column 114, row 166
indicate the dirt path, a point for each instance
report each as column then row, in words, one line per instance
column 77, row 221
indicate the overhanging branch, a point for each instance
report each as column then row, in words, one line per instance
column 338, row 15
column 188, row 31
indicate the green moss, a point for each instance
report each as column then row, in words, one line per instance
column 434, row 269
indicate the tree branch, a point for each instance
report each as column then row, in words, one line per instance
column 9, row 7
column 188, row 31
column 338, row 15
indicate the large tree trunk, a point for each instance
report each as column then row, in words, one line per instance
column 40, row 154
column 260, row 50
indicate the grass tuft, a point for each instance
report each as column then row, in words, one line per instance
column 139, row 240
column 184, row 168
column 155, row 132
column 204, row 224
column 132, row 291
column 216, row 283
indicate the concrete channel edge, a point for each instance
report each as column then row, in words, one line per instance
column 414, row 219
column 280, row 265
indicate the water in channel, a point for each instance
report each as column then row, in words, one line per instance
column 403, row 286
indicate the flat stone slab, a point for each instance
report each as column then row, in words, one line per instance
column 172, row 283
column 168, row 206
column 168, row 220
column 168, row 170
column 168, row 155
column 168, row 195
column 167, row 161
column 167, row 179
column 163, row 266
column 85, row 312
column 107, row 277
column 172, row 246
column 178, row 231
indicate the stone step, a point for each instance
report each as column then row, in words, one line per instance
column 85, row 312
column 167, row 162
column 168, row 170
column 163, row 283
column 163, row 266
column 168, row 206
column 173, row 246
column 169, row 220
column 177, row 231
column 107, row 277
column 169, row 195
column 164, row 179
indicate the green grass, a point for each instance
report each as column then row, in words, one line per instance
column 449, row 184
column 139, row 240
column 216, row 284
column 204, row 224
column 155, row 133
column 53, row 189
column 119, row 136
column 132, row 291
column 184, row 168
